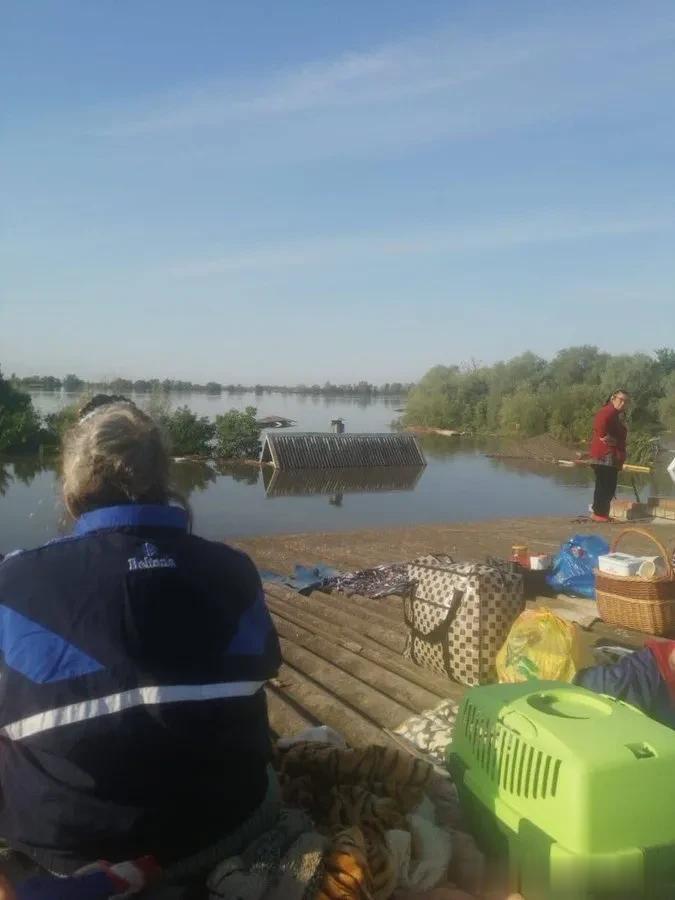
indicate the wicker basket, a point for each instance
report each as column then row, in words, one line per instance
column 642, row 604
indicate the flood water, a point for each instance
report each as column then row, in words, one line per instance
column 460, row 483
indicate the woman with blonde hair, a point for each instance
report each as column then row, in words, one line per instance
column 132, row 714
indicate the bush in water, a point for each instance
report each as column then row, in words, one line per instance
column 188, row 433
column 238, row 434
column 19, row 423
column 56, row 424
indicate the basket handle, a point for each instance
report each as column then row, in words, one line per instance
column 644, row 533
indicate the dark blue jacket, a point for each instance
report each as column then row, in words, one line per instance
column 132, row 715
column 636, row 679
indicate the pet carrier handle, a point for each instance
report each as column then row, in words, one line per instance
column 641, row 531
column 519, row 724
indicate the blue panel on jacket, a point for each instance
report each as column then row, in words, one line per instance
column 253, row 630
column 39, row 654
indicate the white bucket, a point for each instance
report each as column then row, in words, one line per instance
column 652, row 567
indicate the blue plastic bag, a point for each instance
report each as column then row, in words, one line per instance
column 573, row 566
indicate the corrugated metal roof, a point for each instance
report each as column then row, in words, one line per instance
column 336, row 451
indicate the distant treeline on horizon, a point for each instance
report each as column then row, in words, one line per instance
column 75, row 384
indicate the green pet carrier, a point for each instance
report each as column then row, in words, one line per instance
column 574, row 790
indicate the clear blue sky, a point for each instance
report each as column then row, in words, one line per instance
column 302, row 190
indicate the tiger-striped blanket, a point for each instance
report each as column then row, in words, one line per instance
column 354, row 797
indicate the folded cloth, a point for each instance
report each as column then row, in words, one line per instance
column 301, row 869
column 421, row 853
column 430, row 732
column 320, row 734
column 377, row 582
column 442, row 793
column 281, row 863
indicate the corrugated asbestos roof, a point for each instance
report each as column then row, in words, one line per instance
column 344, row 667
column 336, row 451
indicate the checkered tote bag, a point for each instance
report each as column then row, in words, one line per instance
column 458, row 616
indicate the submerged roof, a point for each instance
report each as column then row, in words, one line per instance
column 322, row 450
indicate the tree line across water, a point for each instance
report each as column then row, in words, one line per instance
column 75, row 385
column 526, row 395
column 232, row 435
column 529, row 395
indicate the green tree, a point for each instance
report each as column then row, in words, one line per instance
column 572, row 411
column 640, row 375
column 525, row 371
column 72, row 384
column 120, row 386
column 19, row 423
column 667, row 403
column 577, row 365
column 188, row 433
column 433, row 402
column 58, row 423
column 42, row 382
column 238, row 434
column 525, row 413
column 665, row 357
column 528, row 395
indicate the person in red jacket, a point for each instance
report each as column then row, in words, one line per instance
column 608, row 452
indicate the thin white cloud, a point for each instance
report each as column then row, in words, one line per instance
column 513, row 232
column 383, row 76
column 446, row 81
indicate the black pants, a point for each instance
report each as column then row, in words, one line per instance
column 605, row 488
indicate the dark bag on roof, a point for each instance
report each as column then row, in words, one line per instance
column 458, row 616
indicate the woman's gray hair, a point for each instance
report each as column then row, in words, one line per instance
column 116, row 454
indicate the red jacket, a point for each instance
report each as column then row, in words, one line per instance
column 607, row 423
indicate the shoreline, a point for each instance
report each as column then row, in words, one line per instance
column 464, row 541
column 427, row 429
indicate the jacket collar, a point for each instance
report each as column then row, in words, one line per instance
column 132, row 516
